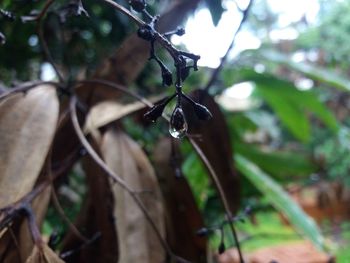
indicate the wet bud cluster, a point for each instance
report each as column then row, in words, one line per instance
column 182, row 61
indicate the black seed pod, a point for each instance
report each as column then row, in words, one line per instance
column 185, row 72
column 138, row 5
column 155, row 112
column 202, row 112
column 167, row 77
column 180, row 31
column 146, row 33
column 203, row 232
column 221, row 248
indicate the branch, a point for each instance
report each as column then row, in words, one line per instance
column 119, row 87
column 61, row 212
column 221, row 194
column 125, row 11
column 81, row 247
column 28, row 86
column 217, row 71
column 40, row 32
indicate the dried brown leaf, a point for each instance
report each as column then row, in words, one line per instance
column 27, row 125
column 43, row 254
column 213, row 139
column 183, row 218
column 137, row 240
column 108, row 111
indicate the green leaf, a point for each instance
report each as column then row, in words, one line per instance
column 216, row 10
column 281, row 201
column 290, row 104
column 289, row 113
column 325, row 76
column 279, row 164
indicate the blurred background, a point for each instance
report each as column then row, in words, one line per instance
column 283, row 89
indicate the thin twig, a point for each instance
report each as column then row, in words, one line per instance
column 163, row 41
column 33, row 227
column 88, row 242
column 44, row 10
column 27, row 86
column 117, row 87
column 40, row 32
column 125, row 11
column 113, row 176
column 221, row 194
column 60, row 210
column 217, row 71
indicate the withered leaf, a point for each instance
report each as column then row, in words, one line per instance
column 27, row 125
column 213, row 138
column 183, row 218
column 44, row 254
column 108, row 111
column 138, row 241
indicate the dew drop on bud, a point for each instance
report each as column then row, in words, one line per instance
column 178, row 125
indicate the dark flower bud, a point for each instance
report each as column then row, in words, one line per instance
column 185, row 71
column 146, row 33
column 202, row 112
column 155, row 112
column 138, row 5
column 180, row 31
column 203, row 232
column 167, row 77
column 221, row 248
column 2, row 39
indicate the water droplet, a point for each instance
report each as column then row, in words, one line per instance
column 178, row 125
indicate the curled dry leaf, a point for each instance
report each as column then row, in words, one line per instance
column 138, row 242
column 43, row 254
column 27, row 125
column 106, row 112
column 213, row 139
column 183, row 218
